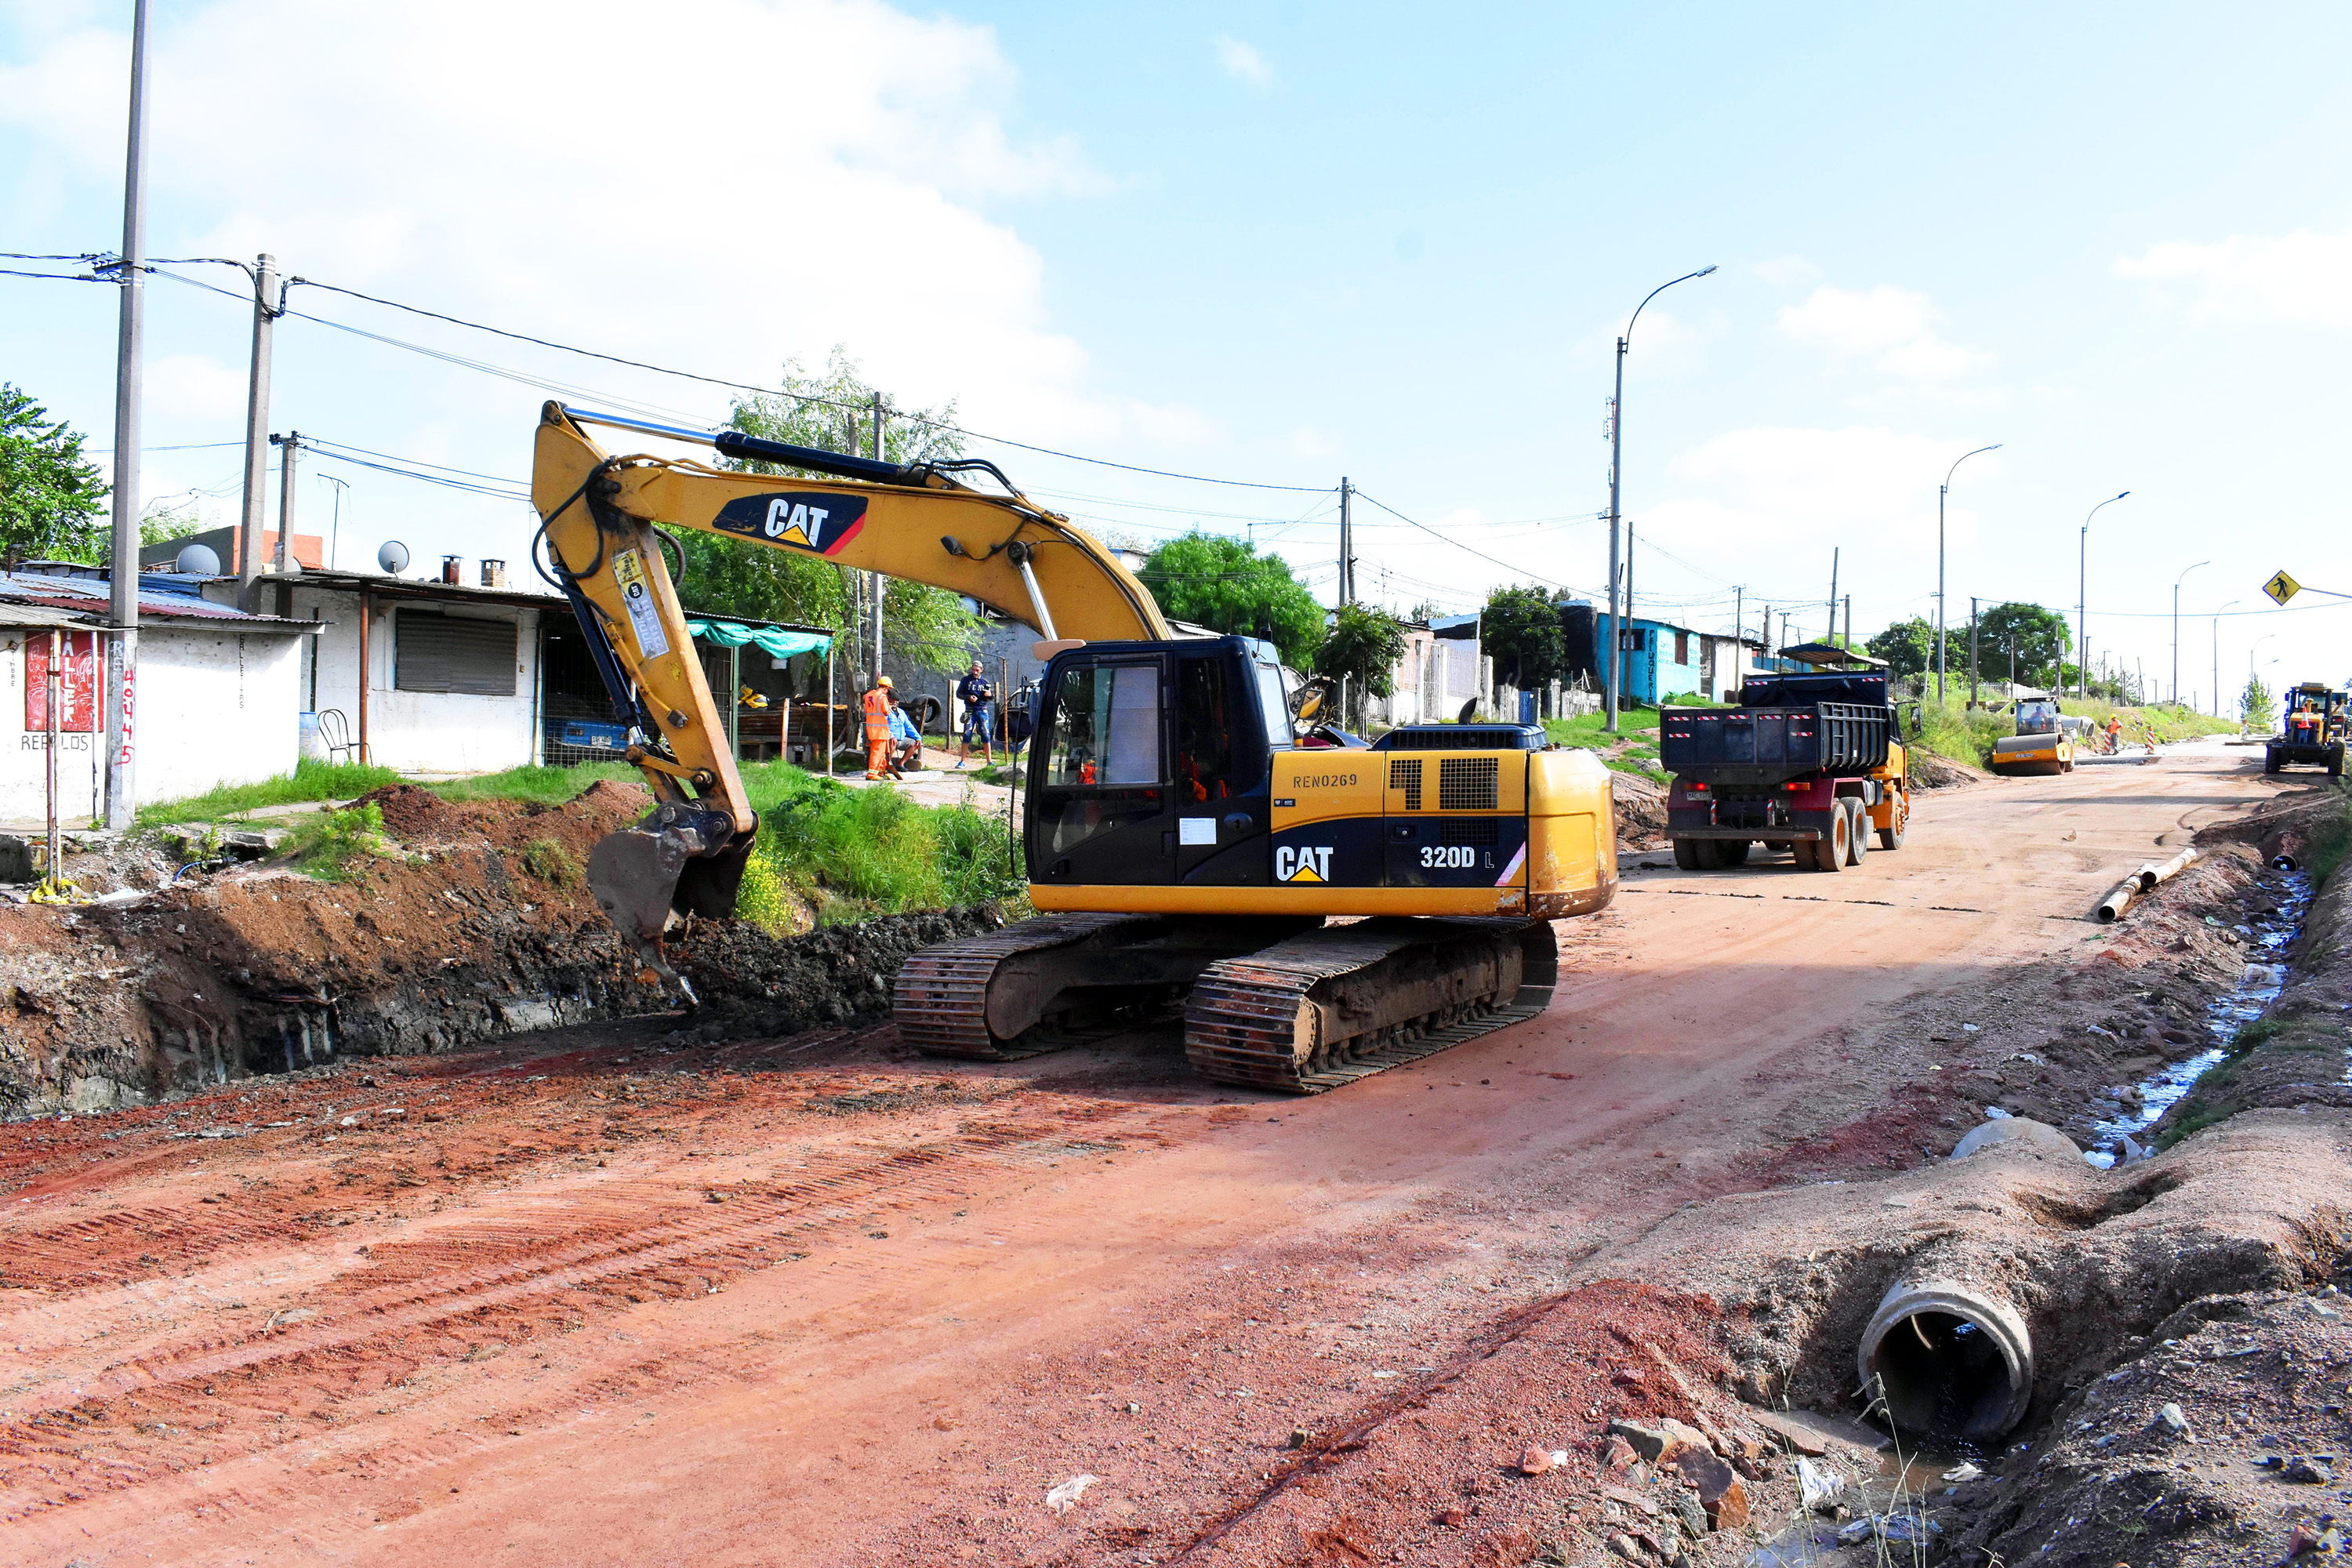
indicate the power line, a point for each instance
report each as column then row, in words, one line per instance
column 1507, row 566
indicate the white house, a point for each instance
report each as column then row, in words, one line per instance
column 214, row 701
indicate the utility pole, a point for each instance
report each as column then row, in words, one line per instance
column 1784, row 629
column 257, row 426
column 1739, row 627
column 1347, row 545
column 1849, row 622
column 1972, row 650
column 879, row 586
column 2175, row 628
column 2083, row 601
column 1833, row 594
column 122, row 655
column 1764, row 633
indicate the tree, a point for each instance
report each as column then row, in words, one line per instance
column 734, row 577
column 1362, row 648
column 1908, row 646
column 1520, row 629
column 52, row 504
column 2041, row 636
column 2255, row 706
column 1224, row 583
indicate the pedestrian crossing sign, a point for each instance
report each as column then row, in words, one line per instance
column 2282, row 587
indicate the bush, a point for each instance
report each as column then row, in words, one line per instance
column 550, row 862
column 326, row 848
column 853, row 853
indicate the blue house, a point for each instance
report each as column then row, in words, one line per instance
column 1658, row 659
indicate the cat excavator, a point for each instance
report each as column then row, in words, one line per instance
column 1319, row 912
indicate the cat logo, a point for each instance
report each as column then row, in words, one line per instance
column 795, row 522
column 1307, row 863
column 798, row 519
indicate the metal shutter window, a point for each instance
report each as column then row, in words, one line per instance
column 431, row 652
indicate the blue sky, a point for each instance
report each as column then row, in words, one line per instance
column 1285, row 243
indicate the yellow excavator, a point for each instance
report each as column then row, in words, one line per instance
column 1190, row 840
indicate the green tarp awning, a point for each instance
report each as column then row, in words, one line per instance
column 779, row 642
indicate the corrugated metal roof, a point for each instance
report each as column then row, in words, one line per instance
column 91, row 600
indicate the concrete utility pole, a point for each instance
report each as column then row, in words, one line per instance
column 1972, row 650
column 268, row 299
column 1849, row 621
column 1347, row 545
column 1943, row 490
column 1616, row 464
column 122, row 653
column 1833, row 594
column 879, row 582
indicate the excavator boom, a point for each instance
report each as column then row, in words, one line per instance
column 921, row 522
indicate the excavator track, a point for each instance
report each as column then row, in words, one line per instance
column 1333, row 1006
column 1061, row 979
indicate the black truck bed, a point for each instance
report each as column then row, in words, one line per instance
column 1766, row 746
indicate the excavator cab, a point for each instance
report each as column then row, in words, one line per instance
column 1151, row 766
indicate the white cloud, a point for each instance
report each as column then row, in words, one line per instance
column 2299, row 277
column 1892, row 328
column 1787, row 272
column 1777, row 482
column 197, row 387
column 1243, row 63
column 714, row 213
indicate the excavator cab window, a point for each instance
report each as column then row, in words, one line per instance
column 1205, row 725
column 1101, row 814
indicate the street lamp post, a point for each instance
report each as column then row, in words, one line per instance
column 2083, row 601
column 1616, row 462
column 2176, row 629
column 2217, row 658
column 1941, row 491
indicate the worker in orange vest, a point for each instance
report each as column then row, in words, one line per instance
column 877, row 729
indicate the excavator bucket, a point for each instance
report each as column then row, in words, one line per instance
column 641, row 875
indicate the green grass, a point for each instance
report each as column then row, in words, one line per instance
column 1593, row 729
column 326, row 847
column 309, row 780
column 536, row 785
column 1954, row 732
column 848, row 854
column 551, row 863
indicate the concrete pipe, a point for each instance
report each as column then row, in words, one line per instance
column 2118, row 900
column 2284, row 850
column 1948, row 1360
column 2174, row 867
column 2145, row 876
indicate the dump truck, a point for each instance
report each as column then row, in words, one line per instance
column 2042, row 743
column 1810, row 764
column 2311, row 730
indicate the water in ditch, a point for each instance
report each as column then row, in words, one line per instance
column 2267, row 939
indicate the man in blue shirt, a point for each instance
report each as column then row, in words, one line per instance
column 906, row 742
column 978, row 699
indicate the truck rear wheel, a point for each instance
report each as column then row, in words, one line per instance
column 1733, row 851
column 1831, row 848
column 1857, row 835
column 1686, row 854
column 1710, row 854
column 1898, row 819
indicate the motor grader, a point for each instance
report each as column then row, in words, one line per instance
column 1185, row 849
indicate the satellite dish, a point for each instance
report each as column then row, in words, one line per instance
column 198, row 560
column 392, row 557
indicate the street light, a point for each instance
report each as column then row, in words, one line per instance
column 2083, row 600
column 1616, row 461
column 1941, row 491
column 335, row 529
column 2176, row 629
column 2217, row 657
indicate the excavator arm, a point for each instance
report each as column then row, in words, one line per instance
column 925, row 522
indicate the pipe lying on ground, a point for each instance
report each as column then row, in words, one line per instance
column 2145, row 876
column 2118, row 900
column 2174, row 867
column 1948, row 1359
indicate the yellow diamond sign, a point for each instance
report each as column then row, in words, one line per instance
column 2282, row 587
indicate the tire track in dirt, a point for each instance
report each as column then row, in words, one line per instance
column 476, row 1280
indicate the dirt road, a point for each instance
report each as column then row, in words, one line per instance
column 608, row 1296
